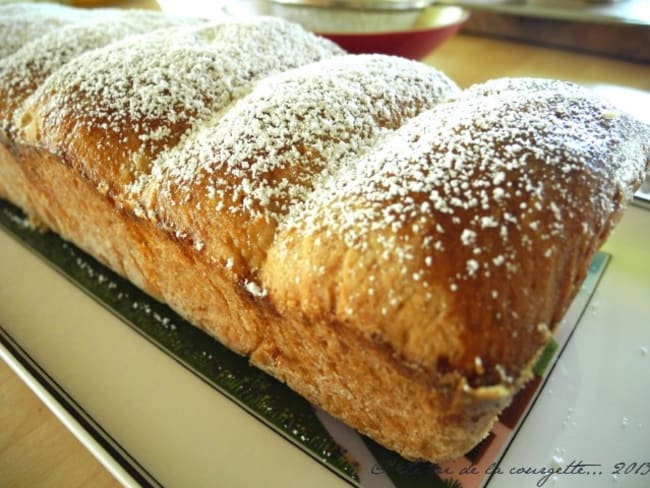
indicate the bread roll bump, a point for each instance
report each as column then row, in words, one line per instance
column 125, row 103
column 461, row 239
column 22, row 72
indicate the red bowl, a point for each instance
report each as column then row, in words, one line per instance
column 415, row 43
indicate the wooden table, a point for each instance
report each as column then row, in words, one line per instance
column 37, row 450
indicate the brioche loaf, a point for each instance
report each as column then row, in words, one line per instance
column 395, row 250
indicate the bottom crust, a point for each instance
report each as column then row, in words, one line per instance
column 355, row 380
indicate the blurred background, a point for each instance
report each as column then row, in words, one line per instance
column 413, row 28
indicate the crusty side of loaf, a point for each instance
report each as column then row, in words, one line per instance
column 151, row 259
column 357, row 380
column 397, row 257
column 9, row 181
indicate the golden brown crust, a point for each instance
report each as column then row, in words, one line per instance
column 132, row 100
column 318, row 361
column 475, row 285
column 22, row 72
column 398, row 261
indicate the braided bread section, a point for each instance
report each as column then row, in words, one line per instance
column 467, row 207
column 229, row 184
column 224, row 189
column 25, row 70
column 451, row 249
column 125, row 103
